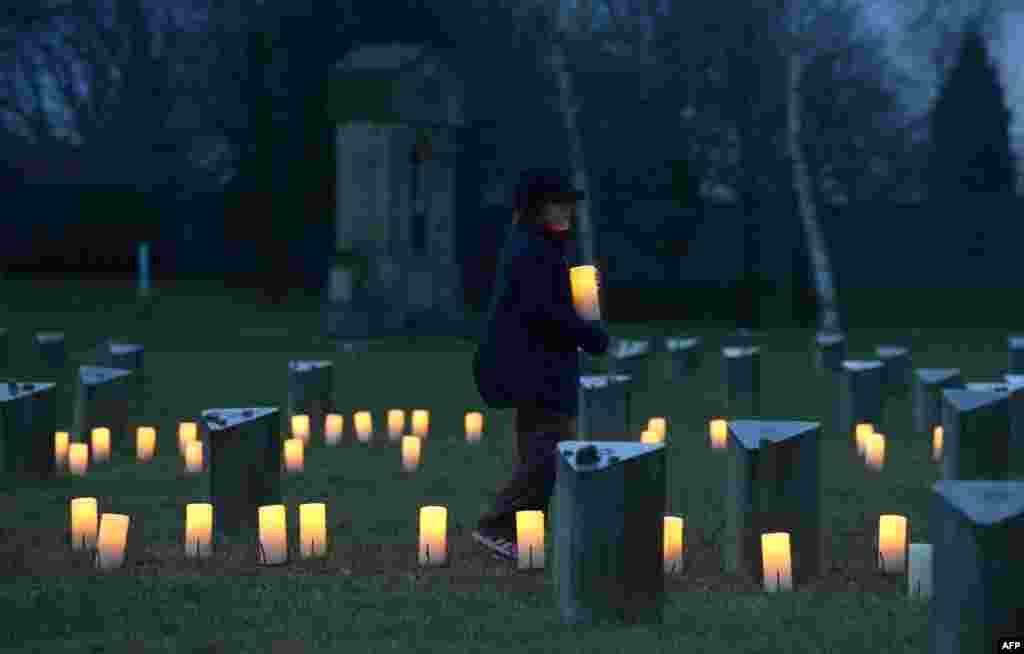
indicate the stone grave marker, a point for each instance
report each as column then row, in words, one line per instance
column 977, row 532
column 5, row 349
column 611, row 502
column 1016, row 410
column 975, row 434
column 28, row 421
column 310, row 392
column 773, row 484
column 605, row 409
column 860, row 395
column 742, row 372
column 897, row 370
column 683, row 357
column 103, row 398
column 927, row 395
column 630, row 357
column 51, row 348
column 126, row 356
column 1016, row 355
column 830, row 351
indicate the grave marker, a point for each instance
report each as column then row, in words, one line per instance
column 742, row 372
column 631, row 357
column 927, row 395
column 683, row 357
column 51, row 349
column 605, row 407
column 897, row 371
column 860, row 395
column 310, row 392
column 1016, row 355
column 28, row 422
column 830, row 352
column 975, row 434
column 103, row 398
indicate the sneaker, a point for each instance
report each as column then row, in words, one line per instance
column 500, row 543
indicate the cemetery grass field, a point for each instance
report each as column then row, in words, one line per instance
column 207, row 347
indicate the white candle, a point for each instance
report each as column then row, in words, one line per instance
column 187, row 432
column 84, row 523
column 300, row 427
column 862, row 433
column 61, row 441
column 420, row 423
column 145, row 443
column 530, row 539
column 673, row 539
column 198, row 530
column 364, row 425
column 874, row 453
column 474, row 426
column 584, row 284
column 312, row 529
column 650, row 437
column 657, row 425
column 334, row 424
column 410, row 453
column 100, row 444
column 937, row 444
column 433, row 535
column 78, row 459
column 396, row 423
column 194, row 457
column 892, row 544
column 777, row 562
column 719, row 434
column 112, row 540
column 273, row 532
column 293, row 455
column 919, row 572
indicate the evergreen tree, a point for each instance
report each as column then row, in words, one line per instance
column 970, row 129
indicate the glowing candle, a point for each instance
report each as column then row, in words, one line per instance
column 273, row 535
column 145, row 443
column 61, row 440
column 584, row 284
column 194, row 457
column 474, row 426
column 420, row 423
column 657, row 425
column 937, row 444
column 530, row 539
column 294, row 453
column 776, row 561
column 198, row 530
column 862, row 433
column 650, row 437
column 719, row 433
column 100, row 444
column 396, row 423
column 410, row 453
column 364, row 425
column 312, row 529
column 433, row 535
column 919, row 572
column 78, row 459
column 187, row 432
column 300, row 427
column 111, row 541
column 874, row 453
column 892, row 544
column 673, row 538
column 83, row 523
column 334, row 424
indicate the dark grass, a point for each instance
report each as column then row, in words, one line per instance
column 208, row 347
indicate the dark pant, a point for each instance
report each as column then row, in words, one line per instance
column 533, row 481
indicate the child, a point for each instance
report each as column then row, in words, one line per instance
column 528, row 358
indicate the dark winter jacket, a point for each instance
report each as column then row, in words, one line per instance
column 528, row 355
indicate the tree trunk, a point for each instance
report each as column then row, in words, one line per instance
column 828, row 308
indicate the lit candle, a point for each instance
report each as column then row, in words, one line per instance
column 100, row 444
column 650, row 437
column 78, row 458
column 145, row 443
column 719, row 433
column 312, row 530
column 396, row 423
column 364, row 425
column 61, row 440
column 892, row 544
column 874, row 453
column 530, row 539
column 334, row 424
column 194, row 457
column 673, row 538
column 777, row 564
column 863, row 432
column 584, row 284
column 410, row 453
column 300, row 427
column 919, row 572
column 420, row 423
column 433, row 535
column 198, row 530
column 83, row 523
column 187, row 432
column 657, row 425
column 273, row 535
column 111, row 541
column 937, row 444
column 294, row 450
column 474, row 426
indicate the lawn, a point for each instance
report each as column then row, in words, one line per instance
column 209, row 347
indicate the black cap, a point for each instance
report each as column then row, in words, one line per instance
column 547, row 185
